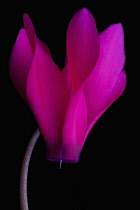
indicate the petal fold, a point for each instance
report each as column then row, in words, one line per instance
column 75, row 126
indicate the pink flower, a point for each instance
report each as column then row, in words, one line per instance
column 67, row 103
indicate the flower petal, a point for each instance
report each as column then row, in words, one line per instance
column 82, row 46
column 116, row 92
column 20, row 62
column 106, row 83
column 44, row 46
column 22, row 56
column 75, row 127
column 31, row 34
column 30, row 31
column 47, row 94
column 41, row 84
column 67, row 75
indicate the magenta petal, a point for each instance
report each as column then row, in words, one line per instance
column 20, row 62
column 116, row 92
column 48, row 97
column 30, row 31
column 44, row 46
column 82, row 46
column 41, row 84
column 75, row 126
column 106, row 83
column 66, row 73
column 22, row 56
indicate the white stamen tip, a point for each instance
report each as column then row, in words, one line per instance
column 60, row 164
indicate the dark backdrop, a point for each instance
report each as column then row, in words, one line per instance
column 100, row 177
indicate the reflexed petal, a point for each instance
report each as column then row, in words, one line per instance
column 82, row 46
column 75, row 126
column 106, row 83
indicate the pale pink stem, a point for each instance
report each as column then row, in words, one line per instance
column 24, row 171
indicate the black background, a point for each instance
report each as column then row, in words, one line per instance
column 100, row 176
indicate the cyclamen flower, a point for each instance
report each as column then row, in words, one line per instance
column 67, row 103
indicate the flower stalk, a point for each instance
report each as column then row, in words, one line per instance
column 24, row 171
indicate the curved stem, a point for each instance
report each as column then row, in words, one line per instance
column 24, row 171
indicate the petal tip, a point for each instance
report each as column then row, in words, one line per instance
column 117, row 27
column 24, row 15
column 84, row 13
column 26, row 18
column 28, row 25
